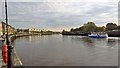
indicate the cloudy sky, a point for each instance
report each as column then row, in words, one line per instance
column 59, row 14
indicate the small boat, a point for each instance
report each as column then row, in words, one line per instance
column 98, row 35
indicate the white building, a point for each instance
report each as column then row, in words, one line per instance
column 34, row 30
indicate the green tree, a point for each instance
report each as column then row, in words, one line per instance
column 111, row 26
column 89, row 27
column 72, row 30
column 100, row 29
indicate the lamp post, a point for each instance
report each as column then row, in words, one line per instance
column 10, row 63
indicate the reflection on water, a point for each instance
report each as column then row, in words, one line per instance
column 58, row 50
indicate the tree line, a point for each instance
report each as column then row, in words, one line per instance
column 91, row 27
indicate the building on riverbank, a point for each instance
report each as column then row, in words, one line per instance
column 30, row 30
column 34, row 30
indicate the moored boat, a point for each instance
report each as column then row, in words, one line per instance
column 98, row 35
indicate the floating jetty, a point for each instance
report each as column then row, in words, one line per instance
column 72, row 33
column 114, row 33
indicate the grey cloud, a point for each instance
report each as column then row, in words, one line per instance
column 56, row 15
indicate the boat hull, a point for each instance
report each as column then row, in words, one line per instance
column 97, row 36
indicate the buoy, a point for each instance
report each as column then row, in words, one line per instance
column 5, row 53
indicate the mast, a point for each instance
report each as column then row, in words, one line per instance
column 10, row 64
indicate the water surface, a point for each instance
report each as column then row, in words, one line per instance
column 58, row 50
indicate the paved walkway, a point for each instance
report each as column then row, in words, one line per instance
column 1, row 60
column 17, row 61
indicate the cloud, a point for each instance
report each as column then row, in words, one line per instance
column 62, row 0
column 61, row 14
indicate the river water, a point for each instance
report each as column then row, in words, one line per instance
column 58, row 50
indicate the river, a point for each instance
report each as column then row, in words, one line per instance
column 58, row 50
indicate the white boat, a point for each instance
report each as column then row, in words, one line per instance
column 98, row 35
